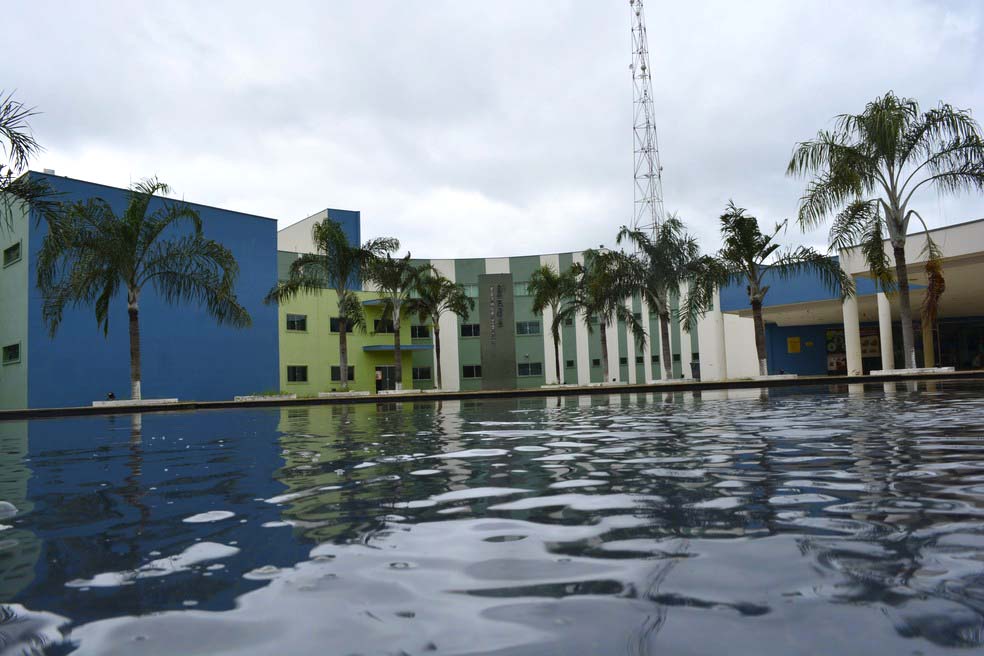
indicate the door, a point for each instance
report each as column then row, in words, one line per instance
column 385, row 378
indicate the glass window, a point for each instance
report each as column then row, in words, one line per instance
column 12, row 254
column 382, row 326
column 296, row 374
column 334, row 322
column 421, row 373
column 527, row 327
column 471, row 330
column 640, row 359
column 569, row 321
column 336, row 373
column 520, row 288
column 530, row 368
column 11, row 353
column 296, row 322
column 676, row 357
column 623, row 361
column 596, row 362
column 570, row 364
column 471, row 371
column 471, row 291
column 695, row 357
column 655, row 359
column 420, row 332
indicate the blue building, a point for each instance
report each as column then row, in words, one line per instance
column 185, row 354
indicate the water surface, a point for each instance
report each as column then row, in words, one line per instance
column 843, row 521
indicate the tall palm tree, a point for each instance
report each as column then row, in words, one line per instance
column 605, row 281
column 556, row 291
column 671, row 261
column 748, row 255
column 334, row 265
column 436, row 295
column 867, row 169
column 89, row 254
column 396, row 279
column 18, row 145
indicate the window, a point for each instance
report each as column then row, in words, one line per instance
column 527, row 327
column 382, row 326
column 530, row 368
column 334, row 322
column 420, row 332
column 695, row 357
column 593, row 320
column 296, row 374
column 296, row 322
column 11, row 353
column 471, row 330
column 623, row 361
column 336, row 374
column 640, row 359
column 471, row 291
column 421, row 373
column 12, row 254
column 676, row 357
column 569, row 321
column 655, row 359
column 637, row 315
column 596, row 362
column 471, row 371
column 521, row 288
column 570, row 364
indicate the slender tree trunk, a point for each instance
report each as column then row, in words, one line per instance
column 604, row 346
column 134, row 313
column 905, row 307
column 343, row 352
column 437, row 353
column 664, row 342
column 760, row 337
column 397, row 355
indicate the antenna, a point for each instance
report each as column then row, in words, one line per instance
column 648, row 211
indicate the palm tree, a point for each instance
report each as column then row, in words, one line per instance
column 868, row 168
column 745, row 258
column 671, row 260
column 18, row 145
column 605, row 280
column 90, row 254
column 553, row 290
column 436, row 295
column 396, row 280
column 335, row 265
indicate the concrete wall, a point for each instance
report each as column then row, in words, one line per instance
column 297, row 237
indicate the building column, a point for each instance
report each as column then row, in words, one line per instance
column 929, row 350
column 631, row 347
column 685, row 347
column 647, row 347
column 885, row 331
column 718, row 346
column 852, row 336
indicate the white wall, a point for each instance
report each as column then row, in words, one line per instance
column 450, row 363
column 296, row 238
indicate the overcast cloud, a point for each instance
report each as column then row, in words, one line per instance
column 471, row 128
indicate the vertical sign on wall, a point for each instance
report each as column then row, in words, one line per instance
column 498, row 331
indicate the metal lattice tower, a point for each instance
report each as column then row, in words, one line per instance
column 648, row 206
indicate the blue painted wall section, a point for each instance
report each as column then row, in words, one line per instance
column 803, row 287
column 185, row 354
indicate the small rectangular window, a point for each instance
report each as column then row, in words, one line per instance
column 471, row 330
column 569, row 321
column 695, row 357
column 420, row 332
column 623, row 361
column 570, row 364
column 471, row 291
column 593, row 320
column 530, row 368
column 12, row 254
column 336, row 373
column 11, row 353
column 382, row 326
column 676, row 357
column 471, row 371
column 421, row 373
column 521, row 288
column 296, row 374
column 527, row 327
column 596, row 362
column 335, row 322
column 637, row 315
column 655, row 359
column 640, row 359
column 296, row 322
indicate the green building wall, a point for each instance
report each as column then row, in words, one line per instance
column 14, row 286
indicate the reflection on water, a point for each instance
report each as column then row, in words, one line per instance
column 827, row 521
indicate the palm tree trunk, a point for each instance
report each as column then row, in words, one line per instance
column 343, row 352
column 905, row 308
column 437, row 353
column 760, row 337
column 134, row 313
column 604, row 346
column 397, row 355
column 556, row 341
column 664, row 342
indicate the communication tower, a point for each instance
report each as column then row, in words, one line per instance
column 648, row 206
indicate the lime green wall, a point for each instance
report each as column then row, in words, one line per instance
column 317, row 347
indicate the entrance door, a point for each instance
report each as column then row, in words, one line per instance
column 385, row 378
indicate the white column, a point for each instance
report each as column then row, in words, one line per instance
column 614, row 373
column 852, row 336
column 631, row 347
column 581, row 340
column 549, row 364
column 885, row 331
column 685, row 349
column 712, row 343
column 647, row 347
column 450, row 364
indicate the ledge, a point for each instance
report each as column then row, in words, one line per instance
column 912, row 372
column 341, row 395
column 132, row 403
column 265, row 397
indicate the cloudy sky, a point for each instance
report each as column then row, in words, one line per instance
column 471, row 128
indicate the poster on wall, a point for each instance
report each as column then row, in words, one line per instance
column 837, row 349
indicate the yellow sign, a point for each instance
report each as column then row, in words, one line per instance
column 792, row 344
